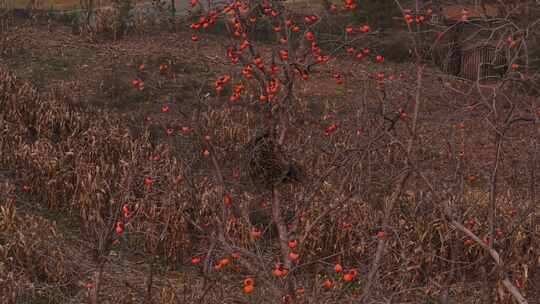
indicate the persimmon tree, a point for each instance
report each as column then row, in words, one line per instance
column 266, row 77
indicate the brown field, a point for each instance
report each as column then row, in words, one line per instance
column 79, row 141
column 46, row 4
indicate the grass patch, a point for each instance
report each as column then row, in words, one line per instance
column 50, row 68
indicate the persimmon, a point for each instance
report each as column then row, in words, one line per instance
column 287, row 299
column 244, row 45
column 409, row 19
column 293, row 256
column 163, row 68
column 333, row 8
column 219, row 89
column 338, row 268
column 328, row 283
column 248, row 289
column 365, row 28
column 195, row 261
column 381, row 235
column 292, row 244
column 224, row 262
column 119, row 228
column 468, row 242
column 280, row 271
column 194, row 38
column 346, row 226
column 350, row 5
column 379, row 58
column 402, row 114
column 472, row 178
column 284, row 55
column 138, row 84
column 206, row 153
column 228, row 200
column 331, row 129
column 247, row 72
column 165, row 109
column 249, row 282
column 89, row 285
column 256, row 233
column 349, row 30
column 258, row 61
column 348, row 277
column 125, row 210
column 515, row 66
column 148, row 181
column 274, row 69
column 513, row 212
column 310, row 36
column 277, row 272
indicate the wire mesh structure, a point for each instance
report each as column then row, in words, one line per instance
column 472, row 51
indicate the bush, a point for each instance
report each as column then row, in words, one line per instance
column 377, row 13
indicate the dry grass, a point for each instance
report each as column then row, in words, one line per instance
column 46, row 4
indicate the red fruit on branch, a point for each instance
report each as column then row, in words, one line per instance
column 228, row 200
column 293, row 256
column 119, row 228
column 293, row 244
column 248, row 289
column 331, row 129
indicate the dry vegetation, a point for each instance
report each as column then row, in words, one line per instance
column 421, row 164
